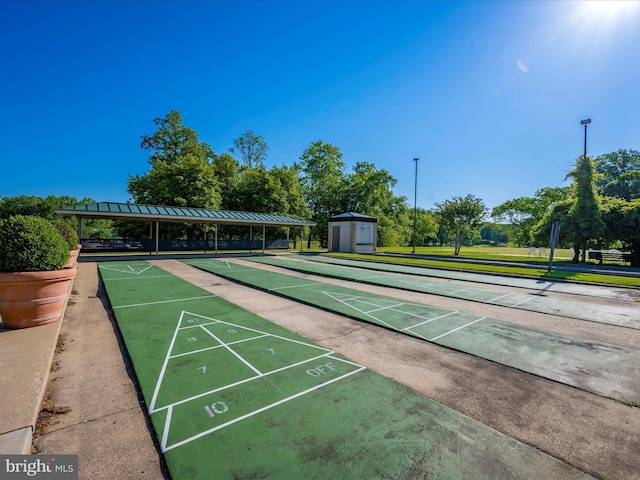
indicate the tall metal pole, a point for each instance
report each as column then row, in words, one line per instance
column 585, row 123
column 415, row 205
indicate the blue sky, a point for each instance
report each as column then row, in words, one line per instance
column 489, row 95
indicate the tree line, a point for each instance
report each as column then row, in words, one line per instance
column 601, row 207
column 187, row 172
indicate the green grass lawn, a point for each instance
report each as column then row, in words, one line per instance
column 489, row 253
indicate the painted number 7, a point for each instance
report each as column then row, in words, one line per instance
column 273, row 352
column 203, row 369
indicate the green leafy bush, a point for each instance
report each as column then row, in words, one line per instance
column 68, row 233
column 31, row 244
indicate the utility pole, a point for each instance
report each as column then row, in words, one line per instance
column 415, row 206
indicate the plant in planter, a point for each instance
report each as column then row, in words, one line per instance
column 33, row 283
column 70, row 235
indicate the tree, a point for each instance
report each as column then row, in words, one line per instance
column 181, row 172
column 45, row 208
column 622, row 219
column 495, row 234
column 36, row 206
column 227, row 172
column 461, row 215
column 251, row 148
column 584, row 221
column 520, row 214
column 320, row 174
column 393, row 229
column 426, row 226
column 617, row 174
column 172, row 141
column 368, row 190
column 541, row 231
column 291, row 191
column 524, row 213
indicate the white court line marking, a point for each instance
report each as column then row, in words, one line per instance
column 260, row 332
column 456, row 329
column 393, row 308
column 361, row 311
column 217, row 346
column 125, row 271
column 525, row 300
column 430, row 320
column 453, row 292
column 501, row 296
column 154, row 398
column 294, row 286
column 152, row 404
column 237, row 355
column 136, row 278
column 212, row 263
column 196, row 325
column 373, row 276
column 165, row 432
column 426, row 285
column 390, row 307
column 260, row 410
column 164, row 301
column 246, row 380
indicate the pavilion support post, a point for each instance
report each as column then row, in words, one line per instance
column 79, row 229
column 216, row 240
column 150, row 234
column 157, row 236
column 264, row 238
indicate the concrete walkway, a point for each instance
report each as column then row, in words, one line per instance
column 91, row 403
column 25, row 360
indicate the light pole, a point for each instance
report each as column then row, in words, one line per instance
column 585, row 123
column 415, row 205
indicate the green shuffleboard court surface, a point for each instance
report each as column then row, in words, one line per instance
column 387, row 275
column 232, row 395
column 597, row 367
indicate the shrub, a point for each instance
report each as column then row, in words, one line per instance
column 67, row 232
column 31, row 244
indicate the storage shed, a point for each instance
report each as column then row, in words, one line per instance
column 352, row 232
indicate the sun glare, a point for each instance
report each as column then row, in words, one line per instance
column 601, row 20
column 607, row 10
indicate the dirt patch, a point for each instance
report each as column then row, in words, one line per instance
column 49, row 415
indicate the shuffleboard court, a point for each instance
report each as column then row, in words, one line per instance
column 598, row 367
column 536, row 302
column 231, row 395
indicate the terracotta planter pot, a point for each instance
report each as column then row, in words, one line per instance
column 73, row 258
column 29, row 299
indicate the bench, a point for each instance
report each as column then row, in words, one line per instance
column 609, row 256
column 537, row 252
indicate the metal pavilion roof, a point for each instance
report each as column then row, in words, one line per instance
column 134, row 211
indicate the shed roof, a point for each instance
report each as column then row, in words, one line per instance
column 349, row 216
column 134, row 211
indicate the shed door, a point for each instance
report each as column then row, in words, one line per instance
column 335, row 239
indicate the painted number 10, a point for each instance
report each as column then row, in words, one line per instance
column 216, row 408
